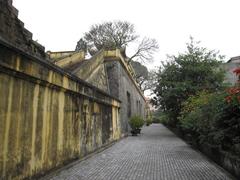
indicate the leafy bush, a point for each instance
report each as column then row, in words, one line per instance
column 136, row 122
column 214, row 118
column 155, row 120
column 156, row 116
column 227, row 127
column 184, row 76
column 164, row 119
column 148, row 121
column 199, row 114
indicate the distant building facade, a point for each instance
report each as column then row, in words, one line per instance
column 229, row 67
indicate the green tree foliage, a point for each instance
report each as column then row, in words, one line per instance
column 227, row 127
column 186, row 74
column 141, row 71
column 199, row 114
column 213, row 118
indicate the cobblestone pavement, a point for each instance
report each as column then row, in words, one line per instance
column 157, row 154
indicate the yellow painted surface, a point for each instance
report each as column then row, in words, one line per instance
column 61, row 101
column 57, row 55
column 86, row 71
column 71, row 59
column 50, row 77
column 116, row 124
column 7, row 128
column 19, row 124
column 34, row 121
column 65, row 82
column 115, row 103
column 18, row 63
column 44, row 126
column 46, row 120
column 111, row 53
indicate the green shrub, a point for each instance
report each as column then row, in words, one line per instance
column 155, row 120
column 213, row 118
column 164, row 119
column 136, row 122
column 199, row 114
column 226, row 130
column 148, row 121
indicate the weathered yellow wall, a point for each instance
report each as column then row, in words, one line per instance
column 60, row 54
column 88, row 68
column 69, row 59
column 48, row 117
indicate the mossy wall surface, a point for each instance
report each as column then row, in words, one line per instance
column 47, row 116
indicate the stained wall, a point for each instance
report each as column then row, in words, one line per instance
column 47, row 116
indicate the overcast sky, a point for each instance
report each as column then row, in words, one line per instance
column 59, row 24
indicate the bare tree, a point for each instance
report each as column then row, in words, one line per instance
column 119, row 34
column 110, row 35
column 149, row 82
column 145, row 50
column 141, row 72
column 146, row 79
column 81, row 45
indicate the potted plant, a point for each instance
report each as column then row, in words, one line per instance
column 148, row 121
column 136, row 122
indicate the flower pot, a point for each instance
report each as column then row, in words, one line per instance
column 134, row 132
column 138, row 131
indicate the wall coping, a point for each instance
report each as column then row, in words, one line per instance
column 55, row 68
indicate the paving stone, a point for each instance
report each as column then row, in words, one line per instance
column 156, row 154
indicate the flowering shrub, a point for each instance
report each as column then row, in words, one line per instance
column 229, row 119
column 233, row 93
column 214, row 118
column 237, row 71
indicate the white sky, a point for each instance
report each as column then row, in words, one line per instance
column 59, row 24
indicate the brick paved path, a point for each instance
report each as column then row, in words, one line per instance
column 157, row 154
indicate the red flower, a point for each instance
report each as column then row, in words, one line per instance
column 228, row 99
column 237, row 71
column 233, row 90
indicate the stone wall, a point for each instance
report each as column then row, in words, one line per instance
column 48, row 117
column 120, row 85
column 91, row 70
column 12, row 30
column 224, row 159
column 109, row 71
